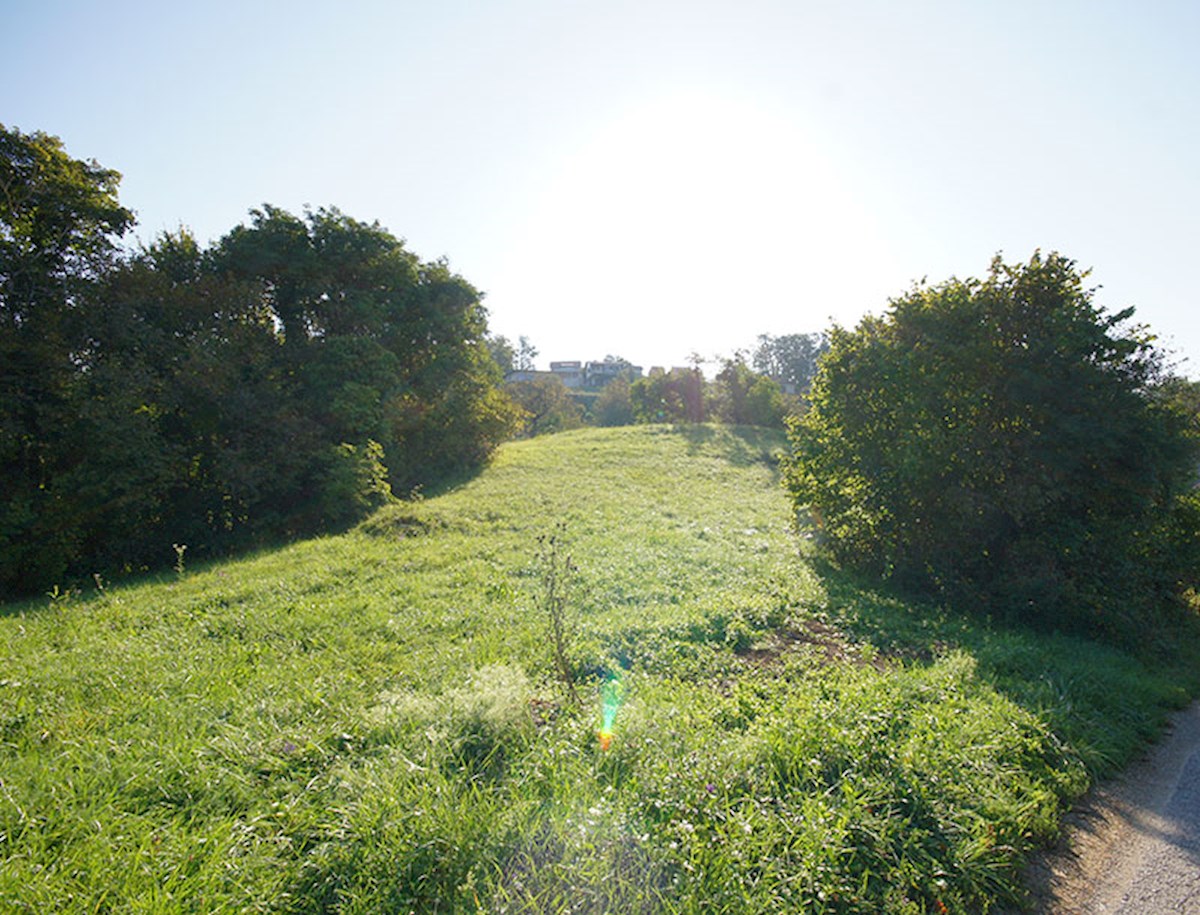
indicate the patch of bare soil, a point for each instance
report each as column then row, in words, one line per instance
column 1129, row 846
column 812, row 635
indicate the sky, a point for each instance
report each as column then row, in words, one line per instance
column 656, row 179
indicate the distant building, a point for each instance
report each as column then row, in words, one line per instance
column 577, row 375
column 597, row 374
column 569, row 373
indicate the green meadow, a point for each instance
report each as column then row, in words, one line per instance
column 375, row 722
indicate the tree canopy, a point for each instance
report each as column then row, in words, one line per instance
column 790, row 359
column 1002, row 442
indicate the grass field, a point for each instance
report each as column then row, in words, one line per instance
column 373, row 722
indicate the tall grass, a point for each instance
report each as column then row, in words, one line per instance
column 374, row 722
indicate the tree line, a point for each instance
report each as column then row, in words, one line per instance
column 283, row 380
column 761, row 388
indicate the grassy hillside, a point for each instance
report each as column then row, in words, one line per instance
column 372, row 722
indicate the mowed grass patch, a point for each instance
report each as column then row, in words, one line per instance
column 372, row 722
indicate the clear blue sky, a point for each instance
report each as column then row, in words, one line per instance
column 652, row 178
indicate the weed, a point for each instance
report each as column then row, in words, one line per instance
column 59, row 596
column 556, row 572
column 180, row 549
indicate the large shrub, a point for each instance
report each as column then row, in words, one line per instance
column 1001, row 442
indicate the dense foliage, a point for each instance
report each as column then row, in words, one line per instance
column 1007, row 444
column 282, row 381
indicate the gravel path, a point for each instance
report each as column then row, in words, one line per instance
column 1133, row 847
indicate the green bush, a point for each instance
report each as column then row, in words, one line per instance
column 354, row 482
column 1000, row 443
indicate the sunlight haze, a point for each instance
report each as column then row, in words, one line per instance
column 655, row 179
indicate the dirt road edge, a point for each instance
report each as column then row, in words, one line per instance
column 1115, row 829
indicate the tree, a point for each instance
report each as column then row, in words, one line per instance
column 503, row 353
column 526, row 353
column 746, row 398
column 59, row 225
column 999, row 442
column 140, row 441
column 791, row 360
column 381, row 347
column 677, row 396
column 547, row 404
column 60, row 220
column 613, row 406
column 455, row 432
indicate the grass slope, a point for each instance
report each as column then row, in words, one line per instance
column 370, row 722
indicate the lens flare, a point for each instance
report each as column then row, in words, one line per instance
column 611, row 694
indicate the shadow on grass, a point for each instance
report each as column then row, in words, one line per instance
column 77, row 583
column 1105, row 702
column 741, row 446
column 448, row 481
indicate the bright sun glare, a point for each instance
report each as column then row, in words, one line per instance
column 686, row 208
